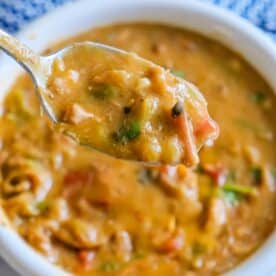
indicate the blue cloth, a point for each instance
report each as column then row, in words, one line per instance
column 15, row 13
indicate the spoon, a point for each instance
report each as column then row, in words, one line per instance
column 117, row 102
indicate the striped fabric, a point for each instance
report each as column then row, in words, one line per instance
column 15, row 13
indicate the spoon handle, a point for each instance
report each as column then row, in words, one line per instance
column 19, row 52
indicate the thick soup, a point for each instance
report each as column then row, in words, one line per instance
column 128, row 107
column 95, row 215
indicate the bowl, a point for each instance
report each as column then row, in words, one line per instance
column 72, row 18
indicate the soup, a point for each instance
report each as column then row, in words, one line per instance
column 128, row 107
column 95, row 215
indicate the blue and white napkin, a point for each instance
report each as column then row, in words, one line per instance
column 16, row 13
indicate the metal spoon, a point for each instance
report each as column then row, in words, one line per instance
column 40, row 68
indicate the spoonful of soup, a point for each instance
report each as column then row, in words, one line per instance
column 117, row 102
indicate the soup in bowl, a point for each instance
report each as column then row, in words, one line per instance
column 96, row 215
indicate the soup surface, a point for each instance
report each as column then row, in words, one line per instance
column 95, row 215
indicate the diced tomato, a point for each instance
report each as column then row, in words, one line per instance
column 86, row 257
column 172, row 244
column 217, row 172
column 204, row 129
column 75, row 180
column 79, row 177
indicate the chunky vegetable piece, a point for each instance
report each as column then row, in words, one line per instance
column 97, row 215
column 125, row 106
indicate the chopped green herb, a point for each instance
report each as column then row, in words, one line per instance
column 231, row 177
column 109, row 266
column 104, row 91
column 233, row 193
column 258, row 97
column 256, row 174
column 42, row 206
column 177, row 73
column 198, row 248
column 199, row 169
column 139, row 255
column 231, row 197
column 128, row 132
column 241, row 189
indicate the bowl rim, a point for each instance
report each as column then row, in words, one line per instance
column 231, row 28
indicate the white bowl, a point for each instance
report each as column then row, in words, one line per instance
column 79, row 16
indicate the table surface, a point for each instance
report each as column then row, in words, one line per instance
column 16, row 13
